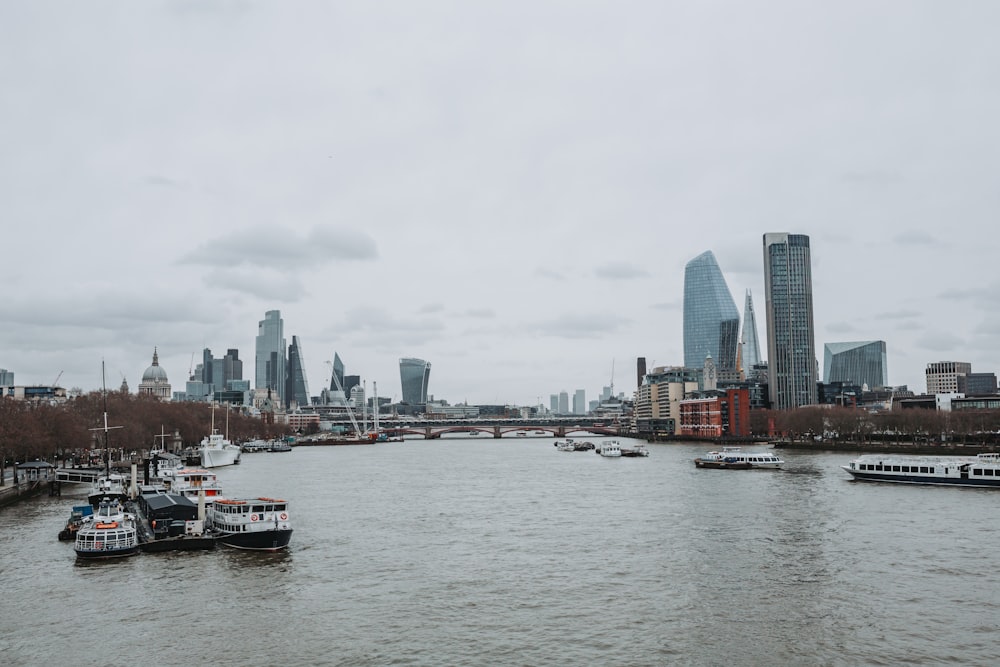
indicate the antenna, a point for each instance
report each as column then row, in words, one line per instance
column 612, row 378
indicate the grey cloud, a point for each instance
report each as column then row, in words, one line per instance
column 620, row 271
column 579, row 326
column 897, row 315
column 915, row 238
column 283, row 247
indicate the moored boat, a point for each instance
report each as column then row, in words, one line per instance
column 977, row 471
column 110, row 532
column 190, row 482
column 257, row 524
column 610, row 448
column 76, row 518
column 109, row 485
column 215, row 451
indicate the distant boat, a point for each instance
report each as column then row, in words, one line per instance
column 108, row 533
column 610, row 448
column 734, row 458
column 215, row 450
column 982, row 470
column 521, row 434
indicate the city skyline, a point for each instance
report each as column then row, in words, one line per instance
column 516, row 207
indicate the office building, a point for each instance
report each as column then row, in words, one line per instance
column 862, row 363
column 270, row 354
column 640, row 373
column 563, row 403
column 580, row 402
column 711, row 321
column 296, row 385
column 337, row 374
column 791, row 346
column 943, row 376
column 414, row 375
column 978, row 384
column 6, row 378
column 554, row 403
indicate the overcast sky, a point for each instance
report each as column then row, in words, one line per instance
column 509, row 190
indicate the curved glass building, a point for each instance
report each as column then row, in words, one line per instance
column 711, row 321
column 413, row 376
column 860, row 363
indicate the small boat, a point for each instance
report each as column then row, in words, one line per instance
column 539, row 432
column 109, row 485
column 981, row 471
column 638, row 451
column 108, row 533
column 76, row 518
column 521, row 434
column 473, row 433
column 279, row 446
column 257, row 524
column 610, row 448
column 565, row 445
column 734, row 458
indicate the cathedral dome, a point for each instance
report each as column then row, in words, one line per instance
column 155, row 373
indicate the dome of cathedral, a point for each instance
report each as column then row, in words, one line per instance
column 155, row 373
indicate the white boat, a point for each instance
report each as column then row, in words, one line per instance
column 217, row 451
column 734, row 458
column 566, row 445
column 109, row 485
column 257, row 524
column 978, row 471
column 638, row 450
column 108, row 533
column 610, row 448
column 521, row 434
column 191, row 482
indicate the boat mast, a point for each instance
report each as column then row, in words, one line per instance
column 107, row 449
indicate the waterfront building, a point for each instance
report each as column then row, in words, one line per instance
column 579, row 402
column 714, row 414
column 711, row 321
column 943, row 376
column 791, row 346
column 657, row 399
column 861, row 363
column 37, row 393
column 414, row 375
column 154, row 380
column 296, row 385
column 270, row 354
column 749, row 343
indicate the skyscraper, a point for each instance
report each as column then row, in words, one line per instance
column 296, row 385
column 580, row 402
column 271, row 353
column 413, row 376
column 337, row 375
column 791, row 347
column 749, row 345
column 711, row 321
column 861, row 363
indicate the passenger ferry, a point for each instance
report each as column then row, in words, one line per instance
column 258, row 524
column 190, row 482
column 979, row 471
column 108, row 533
column 734, row 458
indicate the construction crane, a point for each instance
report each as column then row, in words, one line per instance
column 347, row 404
column 55, row 383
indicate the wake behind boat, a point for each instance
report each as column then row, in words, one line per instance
column 977, row 471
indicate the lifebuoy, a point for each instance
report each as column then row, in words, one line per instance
column 253, row 517
column 284, row 516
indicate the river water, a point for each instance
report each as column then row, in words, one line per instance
column 508, row 552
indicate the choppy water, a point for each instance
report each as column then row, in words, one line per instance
column 485, row 552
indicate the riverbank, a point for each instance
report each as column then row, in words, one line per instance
column 923, row 448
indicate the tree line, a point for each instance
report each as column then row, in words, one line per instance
column 897, row 426
column 39, row 431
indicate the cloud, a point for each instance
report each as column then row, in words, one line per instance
column 579, row 325
column 898, row 315
column 544, row 272
column 915, row 238
column 283, row 248
column 620, row 271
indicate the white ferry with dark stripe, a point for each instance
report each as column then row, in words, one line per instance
column 258, row 524
column 978, row 471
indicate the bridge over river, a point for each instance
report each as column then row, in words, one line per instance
column 558, row 427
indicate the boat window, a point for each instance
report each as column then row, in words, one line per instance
column 279, row 508
column 931, row 470
column 258, row 508
column 878, row 466
column 895, row 468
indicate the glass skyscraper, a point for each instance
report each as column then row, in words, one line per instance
column 791, row 347
column 711, row 321
column 413, row 376
column 270, row 358
column 749, row 344
column 861, row 363
column 296, row 386
column 337, row 375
